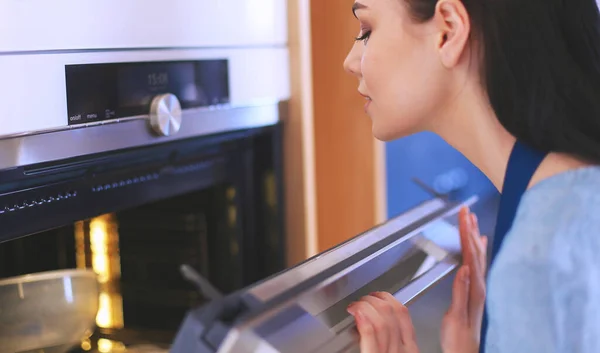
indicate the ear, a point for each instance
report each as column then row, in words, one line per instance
column 454, row 27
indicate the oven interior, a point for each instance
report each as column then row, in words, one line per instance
column 214, row 204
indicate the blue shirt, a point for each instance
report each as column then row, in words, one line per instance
column 543, row 290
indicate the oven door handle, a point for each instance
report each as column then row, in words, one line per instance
column 204, row 329
column 203, row 285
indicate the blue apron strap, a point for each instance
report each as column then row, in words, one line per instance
column 522, row 164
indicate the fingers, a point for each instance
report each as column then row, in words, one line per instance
column 402, row 317
column 459, row 308
column 368, row 338
column 463, row 226
column 473, row 248
column 484, row 244
column 475, row 237
column 480, row 247
column 484, row 241
column 381, row 316
column 474, row 258
column 384, row 324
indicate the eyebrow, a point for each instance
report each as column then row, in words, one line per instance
column 357, row 6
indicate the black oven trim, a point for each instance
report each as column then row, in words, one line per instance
column 49, row 195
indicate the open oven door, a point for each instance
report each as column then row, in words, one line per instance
column 303, row 309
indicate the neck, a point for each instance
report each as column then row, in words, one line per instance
column 473, row 129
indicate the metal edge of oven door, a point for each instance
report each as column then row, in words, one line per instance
column 400, row 227
column 405, row 256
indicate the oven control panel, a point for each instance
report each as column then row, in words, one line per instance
column 101, row 92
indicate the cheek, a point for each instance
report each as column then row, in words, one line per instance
column 404, row 83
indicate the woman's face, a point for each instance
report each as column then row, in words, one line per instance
column 397, row 63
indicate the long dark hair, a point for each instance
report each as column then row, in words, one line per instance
column 541, row 69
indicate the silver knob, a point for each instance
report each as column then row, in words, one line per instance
column 165, row 114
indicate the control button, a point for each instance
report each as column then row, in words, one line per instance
column 165, row 114
column 109, row 114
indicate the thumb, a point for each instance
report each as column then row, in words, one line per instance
column 459, row 308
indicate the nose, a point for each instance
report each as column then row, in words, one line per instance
column 352, row 61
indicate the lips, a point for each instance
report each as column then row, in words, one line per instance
column 368, row 100
column 364, row 95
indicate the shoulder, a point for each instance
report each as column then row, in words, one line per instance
column 550, row 258
column 565, row 207
column 558, row 221
column 562, row 215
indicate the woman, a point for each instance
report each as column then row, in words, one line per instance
column 515, row 86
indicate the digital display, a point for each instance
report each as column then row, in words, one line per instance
column 98, row 92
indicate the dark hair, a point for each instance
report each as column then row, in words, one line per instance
column 541, row 62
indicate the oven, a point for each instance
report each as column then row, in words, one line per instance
column 163, row 159
column 136, row 216
column 139, row 143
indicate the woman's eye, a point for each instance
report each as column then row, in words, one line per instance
column 364, row 37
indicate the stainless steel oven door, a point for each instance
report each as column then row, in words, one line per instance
column 303, row 309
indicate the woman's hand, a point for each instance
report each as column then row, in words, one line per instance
column 461, row 326
column 384, row 325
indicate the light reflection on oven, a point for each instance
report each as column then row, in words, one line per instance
column 232, row 218
column 104, row 345
column 104, row 239
column 97, row 247
column 136, row 255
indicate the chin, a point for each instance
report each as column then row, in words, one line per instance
column 387, row 133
